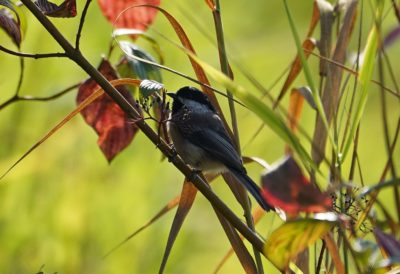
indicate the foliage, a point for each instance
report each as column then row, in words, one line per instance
column 327, row 133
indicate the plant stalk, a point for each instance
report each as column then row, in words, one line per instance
column 225, row 68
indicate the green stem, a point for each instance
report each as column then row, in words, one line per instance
column 308, row 76
column 225, row 68
column 223, row 58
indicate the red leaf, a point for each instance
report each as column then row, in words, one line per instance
column 132, row 18
column 65, row 9
column 106, row 117
column 287, row 188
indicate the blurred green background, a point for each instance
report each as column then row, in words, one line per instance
column 64, row 206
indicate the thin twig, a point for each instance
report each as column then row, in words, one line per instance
column 391, row 91
column 384, row 113
column 21, row 75
column 320, row 257
column 223, row 58
column 175, row 71
column 353, row 95
column 8, row 102
column 353, row 158
column 253, row 81
column 352, row 252
column 374, row 194
column 34, row 56
column 396, row 10
column 391, row 71
column 334, row 252
column 17, row 98
column 81, row 23
column 238, row 63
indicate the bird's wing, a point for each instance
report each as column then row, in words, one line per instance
column 211, row 136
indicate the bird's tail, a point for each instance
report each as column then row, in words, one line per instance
column 252, row 187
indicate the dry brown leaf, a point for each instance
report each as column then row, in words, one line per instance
column 188, row 196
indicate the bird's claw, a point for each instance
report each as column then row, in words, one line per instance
column 173, row 154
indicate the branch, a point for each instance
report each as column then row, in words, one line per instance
column 200, row 184
column 81, row 23
column 9, row 102
column 21, row 75
column 17, row 98
column 34, row 56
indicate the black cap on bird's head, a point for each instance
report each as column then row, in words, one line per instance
column 189, row 93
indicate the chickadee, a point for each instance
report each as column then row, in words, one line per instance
column 202, row 141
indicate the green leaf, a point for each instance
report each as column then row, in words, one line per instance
column 141, row 69
column 366, row 70
column 294, row 236
column 364, row 78
column 137, row 32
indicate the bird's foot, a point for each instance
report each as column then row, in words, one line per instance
column 173, row 154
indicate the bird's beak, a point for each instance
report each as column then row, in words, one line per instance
column 172, row 95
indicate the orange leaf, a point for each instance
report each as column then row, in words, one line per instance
column 188, row 195
column 237, row 245
column 314, row 19
column 257, row 213
column 210, row 4
column 296, row 102
column 295, row 108
column 308, row 47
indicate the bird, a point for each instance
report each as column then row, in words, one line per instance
column 201, row 140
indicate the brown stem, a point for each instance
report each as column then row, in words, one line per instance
column 34, row 56
column 81, row 23
column 320, row 257
column 17, row 98
column 396, row 10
